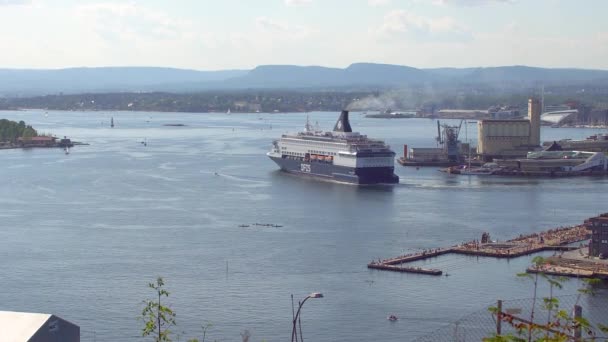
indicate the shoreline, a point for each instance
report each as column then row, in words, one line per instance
column 155, row 111
column 273, row 112
column 57, row 145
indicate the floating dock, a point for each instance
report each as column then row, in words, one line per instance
column 552, row 240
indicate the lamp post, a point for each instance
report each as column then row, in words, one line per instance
column 294, row 332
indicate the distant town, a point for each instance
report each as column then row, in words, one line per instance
column 561, row 109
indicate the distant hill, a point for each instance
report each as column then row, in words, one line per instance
column 26, row 82
column 359, row 74
column 20, row 82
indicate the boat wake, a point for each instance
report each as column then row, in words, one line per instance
column 252, row 182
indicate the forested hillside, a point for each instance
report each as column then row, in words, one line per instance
column 10, row 131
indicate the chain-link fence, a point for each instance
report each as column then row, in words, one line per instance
column 482, row 323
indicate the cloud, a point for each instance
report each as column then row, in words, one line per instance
column 298, row 2
column 15, row 2
column 378, row 3
column 401, row 23
column 470, row 2
column 282, row 28
column 130, row 21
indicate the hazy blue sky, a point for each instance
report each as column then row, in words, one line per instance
column 223, row 34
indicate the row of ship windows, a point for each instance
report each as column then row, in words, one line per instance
column 299, row 144
column 314, row 143
column 323, row 153
column 309, row 151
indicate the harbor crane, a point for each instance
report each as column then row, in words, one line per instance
column 447, row 138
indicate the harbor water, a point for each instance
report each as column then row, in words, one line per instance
column 81, row 234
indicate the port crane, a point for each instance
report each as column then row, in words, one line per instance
column 447, row 138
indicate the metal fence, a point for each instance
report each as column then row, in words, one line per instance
column 482, row 323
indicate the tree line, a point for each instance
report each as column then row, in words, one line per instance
column 10, row 131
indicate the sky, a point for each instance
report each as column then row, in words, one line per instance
column 242, row 34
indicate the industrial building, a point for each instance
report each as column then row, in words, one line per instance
column 425, row 154
column 452, row 151
column 598, row 246
column 36, row 327
column 510, row 138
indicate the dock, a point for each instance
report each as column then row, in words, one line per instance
column 572, row 264
column 435, row 163
column 556, row 239
column 419, row 270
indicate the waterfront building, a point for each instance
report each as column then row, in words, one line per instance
column 560, row 117
column 425, row 154
column 36, row 327
column 510, row 138
column 595, row 143
column 534, row 113
column 463, row 113
column 598, row 246
column 40, row 141
column 557, row 161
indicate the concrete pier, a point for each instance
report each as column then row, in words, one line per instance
column 552, row 240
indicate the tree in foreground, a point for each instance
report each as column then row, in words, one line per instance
column 560, row 324
column 158, row 319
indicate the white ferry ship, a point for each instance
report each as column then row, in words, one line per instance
column 341, row 155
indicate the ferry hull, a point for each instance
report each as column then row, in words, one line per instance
column 369, row 175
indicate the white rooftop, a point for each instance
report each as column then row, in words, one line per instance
column 20, row 326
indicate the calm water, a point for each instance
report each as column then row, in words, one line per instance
column 82, row 234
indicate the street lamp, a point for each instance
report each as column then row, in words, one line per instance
column 294, row 333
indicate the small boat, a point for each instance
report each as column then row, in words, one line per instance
column 243, row 225
column 66, row 150
column 112, row 122
column 392, row 318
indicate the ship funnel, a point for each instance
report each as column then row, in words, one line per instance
column 343, row 125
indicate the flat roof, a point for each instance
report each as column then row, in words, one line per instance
column 20, row 326
column 498, row 120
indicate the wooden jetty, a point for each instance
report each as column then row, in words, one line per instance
column 552, row 240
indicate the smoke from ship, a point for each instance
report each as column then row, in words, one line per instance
column 396, row 99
